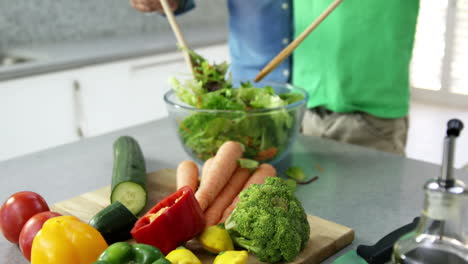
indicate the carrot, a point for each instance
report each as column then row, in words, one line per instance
column 205, row 167
column 266, row 154
column 258, row 177
column 187, row 175
column 223, row 200
column 219, row 172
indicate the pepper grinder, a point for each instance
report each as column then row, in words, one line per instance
column 441, row 235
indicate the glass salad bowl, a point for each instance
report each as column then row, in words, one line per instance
column 266, row 134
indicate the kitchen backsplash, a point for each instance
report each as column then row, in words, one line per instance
column 29, row 23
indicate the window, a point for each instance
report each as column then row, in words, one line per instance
column 459, row 63
column 439, row 68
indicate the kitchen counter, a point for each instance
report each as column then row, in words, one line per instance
column 370, row 191
column 71, row 55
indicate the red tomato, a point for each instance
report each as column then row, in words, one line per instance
column 30, row 229
column 17, row 210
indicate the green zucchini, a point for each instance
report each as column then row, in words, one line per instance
column 129, row 175
column 114, row 222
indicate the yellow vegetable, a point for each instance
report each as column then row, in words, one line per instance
column 65, row 239
column 232, row 257
column 182, row 256
column 216, row 239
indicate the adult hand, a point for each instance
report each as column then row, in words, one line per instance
column 153, row 5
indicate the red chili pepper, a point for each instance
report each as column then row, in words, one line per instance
column 174, row 220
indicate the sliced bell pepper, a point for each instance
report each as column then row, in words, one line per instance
column 65, row 239
column 123, row 253
column 174, row 220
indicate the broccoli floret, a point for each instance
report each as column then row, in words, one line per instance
column 269, row 221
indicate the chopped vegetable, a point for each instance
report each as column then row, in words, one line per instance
column 216, row 239
column 296, row 173
column 299, row 176
column 269, row 221
column 182, row 255
column 264, row 134
column 248, row 163
column 232, row 257
column 291, row 183
column 174, row 220
column 122, row 252
column 65, row 239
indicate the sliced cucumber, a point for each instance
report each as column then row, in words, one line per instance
column 129, row 175
column 130, row 194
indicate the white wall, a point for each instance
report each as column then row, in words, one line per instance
column 428, row 123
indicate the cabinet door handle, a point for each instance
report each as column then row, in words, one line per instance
column 79, row 112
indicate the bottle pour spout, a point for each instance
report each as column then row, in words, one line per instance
column 446, row 178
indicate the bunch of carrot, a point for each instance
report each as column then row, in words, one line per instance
column 221, row 181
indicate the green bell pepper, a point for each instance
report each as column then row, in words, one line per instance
column 162, row 261
column 124, row 253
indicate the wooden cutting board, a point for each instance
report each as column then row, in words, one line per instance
column 326, row 238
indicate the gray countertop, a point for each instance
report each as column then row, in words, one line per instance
column 370, row 191
column 70, row 55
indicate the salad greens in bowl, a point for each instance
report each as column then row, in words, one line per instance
column 208, row 111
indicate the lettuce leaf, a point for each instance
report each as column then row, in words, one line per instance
column 264, row 134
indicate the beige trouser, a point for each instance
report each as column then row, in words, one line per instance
column 358, row 128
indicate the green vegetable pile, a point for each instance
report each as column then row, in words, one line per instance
column 265, row 134
column 269, row 221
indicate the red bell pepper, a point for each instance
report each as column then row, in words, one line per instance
column 174, row 220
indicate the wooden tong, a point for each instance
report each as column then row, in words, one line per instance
column 293, row 45
column 177, row 33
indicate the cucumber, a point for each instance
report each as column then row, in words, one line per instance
column 114, row 222
column 129, row 175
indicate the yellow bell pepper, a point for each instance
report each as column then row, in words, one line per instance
column 216, row 239
column 232, row 257
column 182, row 256
column 65, row 239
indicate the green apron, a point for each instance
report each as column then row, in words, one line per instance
column 358, row 58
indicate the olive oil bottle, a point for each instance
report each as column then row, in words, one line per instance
column 441, row 236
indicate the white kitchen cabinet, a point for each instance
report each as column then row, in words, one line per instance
column 118, row 95
column 35, row 113
column 52, row 109
column 101, row 93
column 130, row 92
column 149, row 81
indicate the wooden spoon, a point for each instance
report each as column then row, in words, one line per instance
column 293, row 45
column 178, row 34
